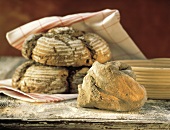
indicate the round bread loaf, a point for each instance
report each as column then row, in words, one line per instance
column 32, row 77
column 111, row 86
column 65, row 46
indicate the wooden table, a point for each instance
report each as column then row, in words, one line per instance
column 16, row 114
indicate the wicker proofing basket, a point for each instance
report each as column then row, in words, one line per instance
column 154, row 74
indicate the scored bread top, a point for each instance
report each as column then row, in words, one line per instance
column 65, row 46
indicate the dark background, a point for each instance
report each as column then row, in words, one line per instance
column 146, row 21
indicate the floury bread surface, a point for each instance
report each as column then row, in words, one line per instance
column 31, row 77
column 111, row 86
column 65, row 46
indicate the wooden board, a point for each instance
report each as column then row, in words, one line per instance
column 154, row 114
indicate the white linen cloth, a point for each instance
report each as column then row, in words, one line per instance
column 105, row 23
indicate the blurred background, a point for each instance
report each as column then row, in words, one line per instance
column 146, row 21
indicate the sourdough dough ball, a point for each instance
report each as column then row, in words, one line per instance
column 31, row 77
column 111, row 86
column 65, row 46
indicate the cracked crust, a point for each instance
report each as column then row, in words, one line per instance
column 111, row 86
column 65, row 46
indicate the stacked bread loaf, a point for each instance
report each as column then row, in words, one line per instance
column 58, row 60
